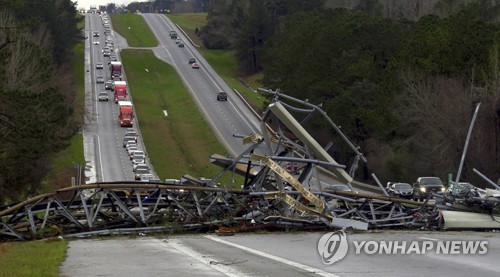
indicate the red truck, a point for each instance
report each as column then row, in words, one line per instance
column 116, row 69
column 120, row 91
column 126, row 116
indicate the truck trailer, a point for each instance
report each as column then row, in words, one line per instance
column 120, row 91
column 126, row 116
column 116, row 69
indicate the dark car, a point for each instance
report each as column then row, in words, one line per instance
column 192, row 60
column 109, row 85
column 222, row 96
column 96, row 34
column 425, row 186
column 403, row 190
column 181, row 44
column 100, row 80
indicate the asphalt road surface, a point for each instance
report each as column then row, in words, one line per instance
column 271, row 254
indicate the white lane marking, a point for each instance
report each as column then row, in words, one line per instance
column 424, row 238
column 100, row 157
column 226, row 270
column 275, row 258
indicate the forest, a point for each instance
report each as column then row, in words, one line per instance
column 404, row 89
column 36, row 120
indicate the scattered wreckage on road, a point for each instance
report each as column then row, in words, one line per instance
column 284, row 187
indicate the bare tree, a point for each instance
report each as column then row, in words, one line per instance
column 438, row 111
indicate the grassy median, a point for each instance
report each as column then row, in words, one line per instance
column 134, row 29
column 34, row 258
column 181, row 142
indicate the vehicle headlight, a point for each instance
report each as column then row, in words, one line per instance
column 422, row 189
column 443, row 189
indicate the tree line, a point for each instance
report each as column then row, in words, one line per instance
column 36, row 42
column 403, row 89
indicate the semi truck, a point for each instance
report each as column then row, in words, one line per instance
column 126, row 116
column 120, row 91
column 116, row 69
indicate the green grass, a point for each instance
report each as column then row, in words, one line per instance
column 223, row 61
column 182, row 142
column 35, row 258
column 133, row 28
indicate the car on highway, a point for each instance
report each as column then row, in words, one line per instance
column 147, row 177
column 195, row 65
column 99, row 66
column 131, row 134
column 140, row 166
column 221, row 96
column 96, row 34
column 138, row 157
column 129, row 130
column 112, row 58
column 109, row 85
column 177, row 41
column 106, row 53
column 130, row 143
column 425, row 186
column 140, row 172
column 181, row 44
column 99, row 80
column 131, row 150
column 191, row 60
column 103, row 96
column 139, row 152
column 397, row 189
column 96, row 42
column 127, row 139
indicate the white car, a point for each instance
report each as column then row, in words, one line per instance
column 147, row 177
column 130, row 144
column 139, row 172
column 140, row 166
column 138, row 158
column 103, row 96
column 96, row 42
column 131, row 150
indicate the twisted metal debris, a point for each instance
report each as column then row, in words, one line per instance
column 287, row 186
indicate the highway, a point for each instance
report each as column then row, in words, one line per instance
column 103, row 135
column 225, row 117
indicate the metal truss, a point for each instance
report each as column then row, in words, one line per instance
column 290, row 185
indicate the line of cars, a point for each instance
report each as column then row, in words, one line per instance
column 221, row 95
column 107, row 51
column 142, row 171
column 115, row 83
column 420, row 190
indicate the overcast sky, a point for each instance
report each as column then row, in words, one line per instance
column 85, row 4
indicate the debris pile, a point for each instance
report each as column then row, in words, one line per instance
column 290, row 181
